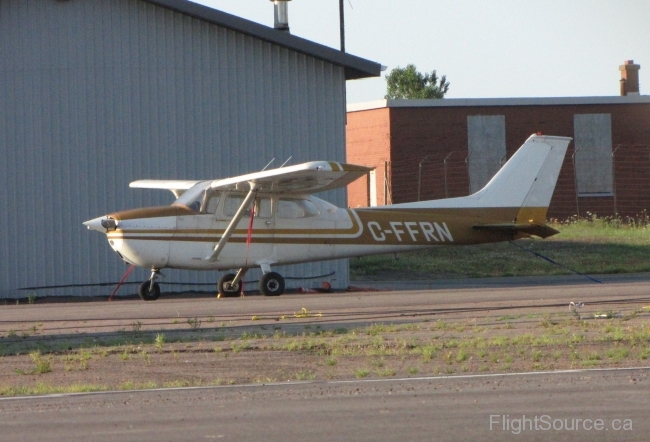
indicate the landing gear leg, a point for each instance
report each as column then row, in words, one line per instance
column 150, row 290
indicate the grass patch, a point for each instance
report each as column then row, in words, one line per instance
column 617, row 354
column 305, row 375
column 361, row 373
column 593, row 246
column 386, row 372
column 42, row 364
column 236, row 348
column 380, row 350
column 43, row 388
column 78, row 361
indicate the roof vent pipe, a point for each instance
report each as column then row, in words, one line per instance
column 281, row 15
column 629, row 78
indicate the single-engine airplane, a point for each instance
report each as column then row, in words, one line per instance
column 270, row 218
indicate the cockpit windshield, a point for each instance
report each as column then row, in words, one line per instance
column 193, row 197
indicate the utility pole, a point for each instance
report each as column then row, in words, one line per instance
column 342, row 22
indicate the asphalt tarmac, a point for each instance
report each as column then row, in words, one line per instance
column 595, row 405
column 415, row 299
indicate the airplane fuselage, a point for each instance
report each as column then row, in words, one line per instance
column 178, row 237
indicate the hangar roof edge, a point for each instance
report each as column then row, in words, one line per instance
column 355, row 67
column 524, row 101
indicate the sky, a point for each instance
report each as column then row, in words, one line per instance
column 486, row 48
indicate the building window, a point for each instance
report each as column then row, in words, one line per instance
column 593, row 157
column 486, row 144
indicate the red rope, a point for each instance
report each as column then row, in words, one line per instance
column 249, row 240
column 126, row 275
column 249, row 237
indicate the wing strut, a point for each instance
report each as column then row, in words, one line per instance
column 233, row 223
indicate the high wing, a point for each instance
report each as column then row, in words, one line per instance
column 312, row 177
column 178, row 187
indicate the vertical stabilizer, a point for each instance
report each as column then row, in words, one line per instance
column 529, row 177
column 526, row 182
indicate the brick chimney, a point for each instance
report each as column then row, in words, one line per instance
column 629, row 78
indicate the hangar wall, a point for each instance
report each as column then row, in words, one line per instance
column 95, row 94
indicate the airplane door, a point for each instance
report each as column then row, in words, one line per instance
column 263, row 224
column 300, row 232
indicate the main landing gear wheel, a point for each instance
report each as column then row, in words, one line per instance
column 226, row 289
column 148, row 291
column 272, row 284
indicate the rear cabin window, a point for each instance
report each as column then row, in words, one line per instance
column 296, row 208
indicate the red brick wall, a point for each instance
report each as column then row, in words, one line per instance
column 436, row 133
column 433, row 133
column 368, row 144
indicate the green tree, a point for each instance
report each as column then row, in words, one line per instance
column 408, row 83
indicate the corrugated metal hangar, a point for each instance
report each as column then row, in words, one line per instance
column 95, row 94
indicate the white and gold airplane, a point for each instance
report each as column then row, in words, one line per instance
column 270, row 218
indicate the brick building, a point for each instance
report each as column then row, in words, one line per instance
column 430, row 149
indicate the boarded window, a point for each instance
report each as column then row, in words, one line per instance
column 593, row 157
column 486, row 136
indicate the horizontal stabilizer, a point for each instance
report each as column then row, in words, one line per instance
column 526, row 229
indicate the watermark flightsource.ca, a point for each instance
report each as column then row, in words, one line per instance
column 523, row 423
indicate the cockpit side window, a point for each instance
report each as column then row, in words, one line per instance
column 210, row 202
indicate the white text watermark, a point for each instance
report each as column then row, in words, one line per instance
column 523, row 423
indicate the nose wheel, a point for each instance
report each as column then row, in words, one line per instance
column 226, row 287
column 272, row 284
column 150, row 290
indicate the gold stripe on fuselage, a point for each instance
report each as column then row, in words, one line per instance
column 404, row 227
column 152, row 212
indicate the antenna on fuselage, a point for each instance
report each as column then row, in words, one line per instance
column 288, row 159
column 268, row 164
